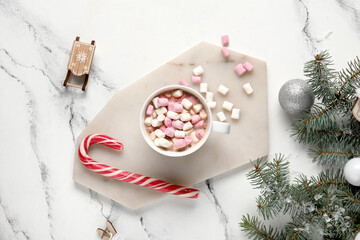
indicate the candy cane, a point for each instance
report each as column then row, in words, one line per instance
column 126, row 176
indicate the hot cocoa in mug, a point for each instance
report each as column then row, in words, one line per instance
column 176, row 121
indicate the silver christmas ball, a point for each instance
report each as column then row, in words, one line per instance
column 352, row 171
column 295, row 96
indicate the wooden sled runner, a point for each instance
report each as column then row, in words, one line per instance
column 80, row 62
column 108, row 233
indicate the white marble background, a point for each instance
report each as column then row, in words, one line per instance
column 39, row 119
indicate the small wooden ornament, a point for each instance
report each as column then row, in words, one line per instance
column 108, row 233
column 356, row 110
column 80, row 62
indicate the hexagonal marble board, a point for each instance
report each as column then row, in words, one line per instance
column 120, row 119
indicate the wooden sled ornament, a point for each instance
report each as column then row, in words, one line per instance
column 356, row 110
column 109, row 233
column 80, row 62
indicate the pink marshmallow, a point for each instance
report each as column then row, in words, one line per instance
column 225, row 40
column 193, row 100
column 188, row 140
column 163, row 102
column 225, row 52
column 240, row 69
column 149, row 110
column 162, row 128
column 199, row 133
column 162, row 96
column 170, row 132
column 200, row 124
column 196, row 79
column 195, row 119
column 178, row 124
column 248, row 66
column 179, row 143
column 171, row 106
column 167, row 122
column 181, row 98
column 184, row 82
column 178, row 107
column 172, row 99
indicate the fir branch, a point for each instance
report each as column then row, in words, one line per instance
column 329, row 177
column 320, row 76
column 351, row 202
column 308, row 190
column 351, row 198
column 350, row 79
column 334, row 154
column 324, row 202
column 320, row 184
column 271, row 208
column 277, row 174
column 301, row 228
column 256, row 230
column 327, row 204
column 321, row 126
column 320, row 136
column 320, row 116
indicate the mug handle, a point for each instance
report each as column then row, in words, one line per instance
column 221, row 127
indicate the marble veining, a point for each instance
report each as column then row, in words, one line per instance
column 12, row 222
column 350, row 7
column 308, row 37
column 222, row 216
column 44, row 118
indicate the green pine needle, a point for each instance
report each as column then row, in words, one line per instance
column 325, row 205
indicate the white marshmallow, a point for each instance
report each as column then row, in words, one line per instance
column 172, row 115
column 159, row 133
column 185, row 117
column 161, row 110
column 192, row 112
column 156, row 123
column 227, row 105
column 164, row 143
column 154, row 115
column 168, row 94
column 148, row 121
column 197, row 107
column 235, row 114
column 248, row 89
column 223, row 90
column 187, row 126
column 187, row 133
column 203, row 87
column 211, row 105
column 177, row 93
column 198, row 71
column 186, row 103
column 203, row 115
column 193, row 137
column 221, row 116
column 161, row 117
column 152, row 136
column 155, row 102
column 157, row 142
column 209, row 97
column 179, row 134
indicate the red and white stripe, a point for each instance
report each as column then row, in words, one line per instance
column 126, row 176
